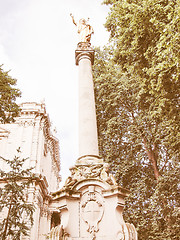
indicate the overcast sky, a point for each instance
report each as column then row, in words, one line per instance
column 37, row 43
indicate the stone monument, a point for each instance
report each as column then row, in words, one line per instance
column 90, row 203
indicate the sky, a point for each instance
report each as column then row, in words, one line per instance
column 37, row 44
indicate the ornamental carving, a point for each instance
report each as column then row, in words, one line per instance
column 92, row 210
column 94, row 171
column 84, row 46
column 107, row 176
column 131, row 231
column 91, row 171
column 120, row 235
column 58, row 233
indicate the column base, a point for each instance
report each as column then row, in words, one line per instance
column 89, row 159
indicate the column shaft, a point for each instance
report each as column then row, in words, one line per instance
column 88, row 138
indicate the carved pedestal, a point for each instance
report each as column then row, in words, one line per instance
column 91, row 204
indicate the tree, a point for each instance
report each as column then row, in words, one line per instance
column 18, row 211
column 8, row 94
column 137, row 101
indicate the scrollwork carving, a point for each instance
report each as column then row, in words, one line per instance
column 84, row 46
column 58, row 233
column 107, row 176
column 95, row 171
column 91, row 171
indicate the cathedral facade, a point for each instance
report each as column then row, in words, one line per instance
column 31, row 132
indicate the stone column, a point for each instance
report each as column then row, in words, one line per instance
column 88, row 138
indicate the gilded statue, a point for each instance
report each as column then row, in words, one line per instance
column 84, row 29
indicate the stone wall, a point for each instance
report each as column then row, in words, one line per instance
column 31, row 132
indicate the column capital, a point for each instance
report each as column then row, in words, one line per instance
column 84, row 50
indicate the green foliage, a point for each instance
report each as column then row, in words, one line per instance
column 8, row 94
column 137, row 99
column 14, row 199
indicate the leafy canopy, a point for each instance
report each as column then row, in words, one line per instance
column 8, row 94
column 137, row 99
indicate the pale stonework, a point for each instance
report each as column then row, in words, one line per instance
column 88, row 139
column 31, row 132
column 91, row 205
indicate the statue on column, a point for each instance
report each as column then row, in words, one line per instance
column 84, row 29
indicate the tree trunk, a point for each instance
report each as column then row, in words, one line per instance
column 6, row 224
column 153, row 158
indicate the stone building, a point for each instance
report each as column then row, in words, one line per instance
column 32, row 133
